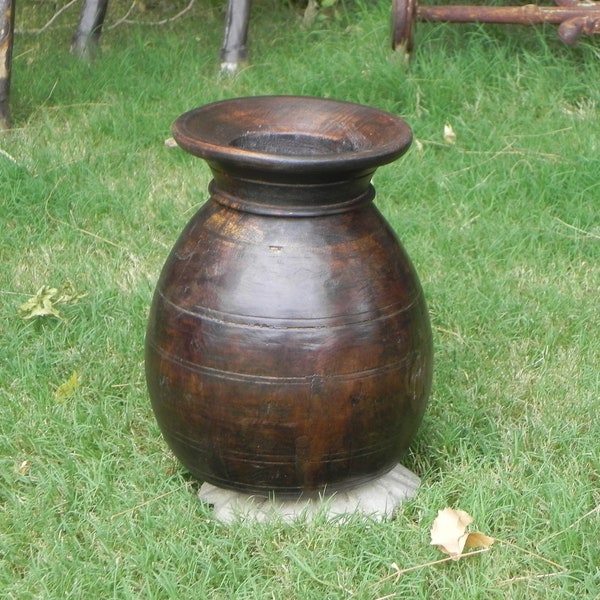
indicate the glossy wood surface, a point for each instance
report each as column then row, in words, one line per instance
column 288, row 345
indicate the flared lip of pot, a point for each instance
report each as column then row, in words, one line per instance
column 292, row 134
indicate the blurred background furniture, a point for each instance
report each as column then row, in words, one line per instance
column 86, row 40
column 573, row 17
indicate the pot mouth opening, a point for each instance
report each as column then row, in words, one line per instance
column 292, row 134
column 293, row 144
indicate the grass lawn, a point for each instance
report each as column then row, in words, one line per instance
column 503, row 227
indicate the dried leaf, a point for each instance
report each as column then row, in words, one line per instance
column 449, row 135
column 477, row 539
column 65, row 390
column 68, row 295
column 23, row 468
column 449, row 533
column 40, row 305
column 43, row 303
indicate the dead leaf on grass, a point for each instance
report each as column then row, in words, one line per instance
column 449, row 533
column 68, row 295
column 24, row 467
column 449, row 134
column 43, row 303
column 40, row 305
column 65, row 390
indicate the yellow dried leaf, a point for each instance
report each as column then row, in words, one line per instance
column 68, row 295
column 23, row 468
column 40, row 305
column 449, row 135
column 43, row 303
column 65, row 390
column 477, row 539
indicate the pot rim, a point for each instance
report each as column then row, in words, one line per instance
column 293, row 134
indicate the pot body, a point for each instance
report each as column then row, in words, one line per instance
column 288, row 346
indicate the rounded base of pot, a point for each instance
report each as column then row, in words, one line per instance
column 294, row 492
column 308, row 435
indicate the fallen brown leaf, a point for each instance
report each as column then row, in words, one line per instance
column 449, row 533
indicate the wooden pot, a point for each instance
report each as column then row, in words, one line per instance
column 288, row 346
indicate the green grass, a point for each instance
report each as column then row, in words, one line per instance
column 503, row 227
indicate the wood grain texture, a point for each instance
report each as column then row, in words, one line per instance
column 288, row 345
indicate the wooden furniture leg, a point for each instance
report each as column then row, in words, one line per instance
column 7, row 26
column 234, row 51
column 573, row 17
column 86, row 40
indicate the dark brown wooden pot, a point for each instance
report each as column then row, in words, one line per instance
column 288, row 345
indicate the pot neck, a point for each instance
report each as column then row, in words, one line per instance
column 291, row 195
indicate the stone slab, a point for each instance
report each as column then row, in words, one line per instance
column 377, row 499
